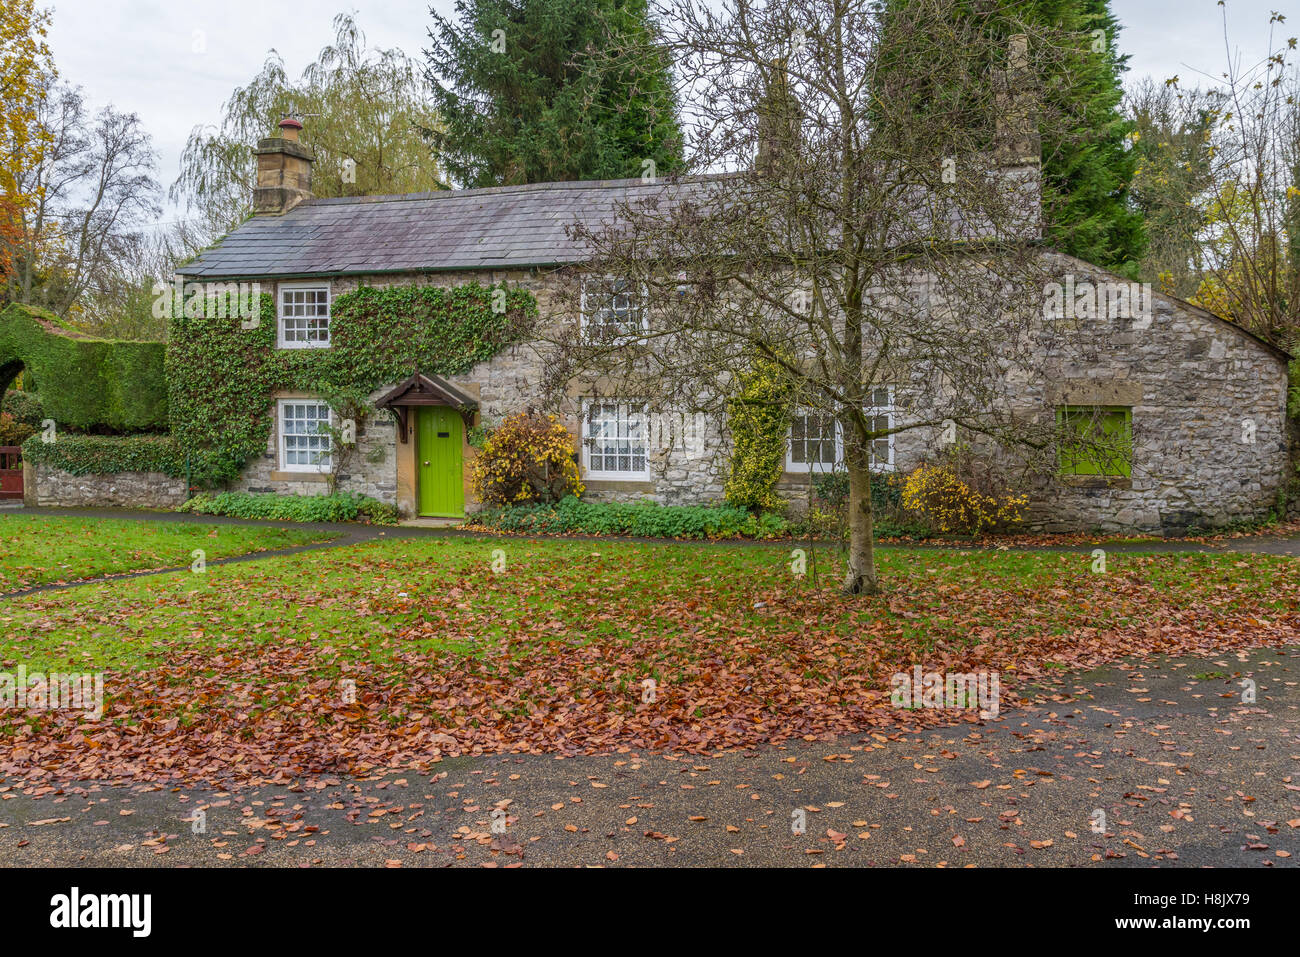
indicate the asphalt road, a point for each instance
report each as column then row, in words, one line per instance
column 1147, row 764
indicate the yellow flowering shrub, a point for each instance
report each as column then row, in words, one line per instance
column 528, row 458
column 951, row 504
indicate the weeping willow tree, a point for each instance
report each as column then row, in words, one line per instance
column 364, row 111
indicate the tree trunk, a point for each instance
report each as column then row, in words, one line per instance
column 860, row 578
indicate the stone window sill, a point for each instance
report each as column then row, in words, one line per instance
column 615, row 485
column 298, row 477
column 1095, row 481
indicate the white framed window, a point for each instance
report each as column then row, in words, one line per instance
column 816, row 443
column 614, row 440
column 306, row 444
column 303, row 311
column 880, row 416
column 612, row 309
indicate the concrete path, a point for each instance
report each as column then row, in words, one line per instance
column 1163, row 759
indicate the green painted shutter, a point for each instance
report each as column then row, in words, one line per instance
column 1103, row 440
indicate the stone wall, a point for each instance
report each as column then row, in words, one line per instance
column 46, row 486
column 1209, row 421
column 1190, row 379
column 368, row 469
column 1208, row 406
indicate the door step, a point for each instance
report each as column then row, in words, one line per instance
column 431, row 522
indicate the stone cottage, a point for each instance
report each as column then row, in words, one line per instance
column 1200, row 402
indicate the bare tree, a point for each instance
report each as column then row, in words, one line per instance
column 1250, row 245
column 94, row 189
column 869, row 221
column 120, row 302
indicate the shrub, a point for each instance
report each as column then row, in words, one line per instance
column 527, row 458
column 339, row 507
column 829, row 515
column 832, row 489
column 13, row 432
column 106, row 454
column 639, row 519
column 950, row 497
column 25, row 407
column 758, row 418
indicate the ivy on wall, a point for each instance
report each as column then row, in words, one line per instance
column 84, row 383
column 759, row 417
column 222, row 377
column 106, row 454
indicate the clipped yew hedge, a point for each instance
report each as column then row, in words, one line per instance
column 84, row 383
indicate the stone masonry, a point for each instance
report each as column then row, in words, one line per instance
column 1191, row 381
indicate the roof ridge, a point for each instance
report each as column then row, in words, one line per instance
column 576, row 184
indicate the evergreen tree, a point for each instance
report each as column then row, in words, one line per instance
column 531, row 91
column 1088, row 165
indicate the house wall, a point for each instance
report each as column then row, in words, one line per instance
column 370, row 469
column 684, row 469
column 1193, row 382
column 1190, row 379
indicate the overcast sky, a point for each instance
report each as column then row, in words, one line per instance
column 174, row 64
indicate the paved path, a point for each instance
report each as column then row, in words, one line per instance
column 1184, row 773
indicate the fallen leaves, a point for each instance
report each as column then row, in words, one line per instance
column 257, row 710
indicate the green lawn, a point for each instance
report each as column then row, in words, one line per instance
column 39, row 549
column 359, row 596
column 551, row 652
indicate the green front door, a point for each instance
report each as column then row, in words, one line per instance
column 439, row 435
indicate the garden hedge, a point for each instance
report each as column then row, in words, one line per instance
column 638, row 519
column 107, row 454
column 84, row 383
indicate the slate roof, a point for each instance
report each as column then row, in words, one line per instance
column 499, row 228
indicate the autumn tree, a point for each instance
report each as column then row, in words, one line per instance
column 1250, row 239
column 860, row 245
column 365, row 109
column 552, row 90
column 25, row 70
column 1173, row 142
column 93, row 189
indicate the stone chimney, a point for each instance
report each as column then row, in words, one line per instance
column 283, row 170
column 1018, row 142
column 778, row 120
